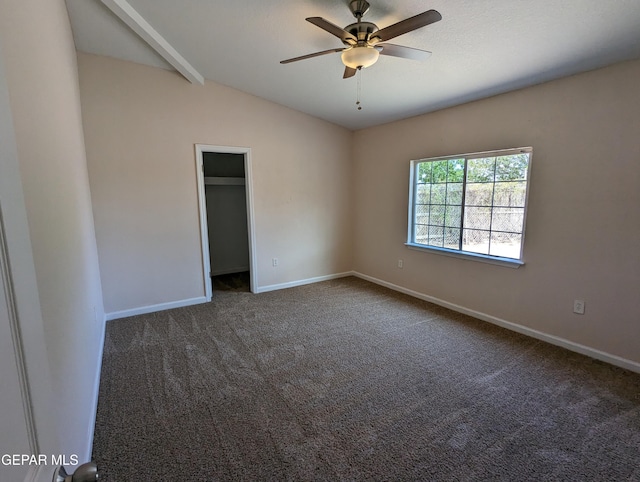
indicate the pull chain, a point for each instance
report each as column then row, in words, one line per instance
column 359, row 73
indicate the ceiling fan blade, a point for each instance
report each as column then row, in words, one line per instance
column 349, row 72
column 333, row 29
column 407, row 25
column 403, row 52
column 309, row 56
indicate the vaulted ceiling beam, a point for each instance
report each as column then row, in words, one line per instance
column 123, row 10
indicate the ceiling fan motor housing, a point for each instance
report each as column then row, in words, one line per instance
column 362, row 31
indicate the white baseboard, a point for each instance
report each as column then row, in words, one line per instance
column 554, row 340
column 153, row 308
column 292, row 284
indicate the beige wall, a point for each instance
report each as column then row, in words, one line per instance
column 40, row 61
column 141, row 125
column 583, row 226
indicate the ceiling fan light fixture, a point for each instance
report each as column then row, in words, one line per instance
column 360, row 57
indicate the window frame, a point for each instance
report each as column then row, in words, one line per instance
column 459, row 253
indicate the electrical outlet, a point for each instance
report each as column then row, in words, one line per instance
column 400, row 264
column 274, row 262
column 578, row 307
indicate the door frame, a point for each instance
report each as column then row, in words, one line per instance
column 202, row 207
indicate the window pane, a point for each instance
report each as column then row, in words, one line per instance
column 479, row 194
column 423, row 192
column 507, row 219
column 477, row 218
column 481, row 170
column 421, row 232
column 510, row 194
column 422, row 214
column 436, row 234
column 512, row 168
column 475, row 241
column 424, row 172
column 422, row 209
column 437, row 216
column 454, row 193
column 438, row 193
column 455, row 171
column 452, row 238
column 506, row 245
column 452, row 216
column 439, row 171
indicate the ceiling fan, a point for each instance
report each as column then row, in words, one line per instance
column 364, row 42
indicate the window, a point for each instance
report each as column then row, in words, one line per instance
column 471, row 205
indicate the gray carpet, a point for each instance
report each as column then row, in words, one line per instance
column 345, row 380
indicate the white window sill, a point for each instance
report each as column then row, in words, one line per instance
column 506, row 262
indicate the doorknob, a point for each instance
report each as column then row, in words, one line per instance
column 85, row 473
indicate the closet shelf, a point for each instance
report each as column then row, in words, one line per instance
column 224, row 181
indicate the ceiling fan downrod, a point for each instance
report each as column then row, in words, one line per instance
column 359, row 8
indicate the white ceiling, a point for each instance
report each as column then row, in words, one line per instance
column 480, row 48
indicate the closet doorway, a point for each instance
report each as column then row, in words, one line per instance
column 226, row 217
